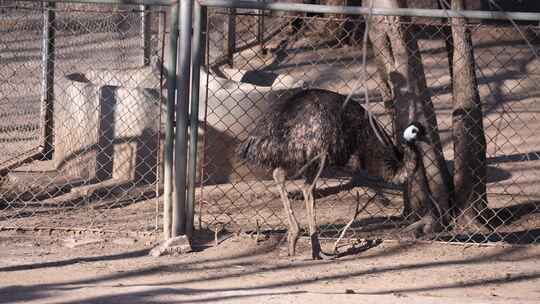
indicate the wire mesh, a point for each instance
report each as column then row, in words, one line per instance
column 293, row 52
column 104, row 172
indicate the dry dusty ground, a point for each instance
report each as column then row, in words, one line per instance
column 39, row 268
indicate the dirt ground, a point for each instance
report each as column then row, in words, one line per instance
column 44, row 268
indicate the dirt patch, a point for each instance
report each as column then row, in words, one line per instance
column 39, row 268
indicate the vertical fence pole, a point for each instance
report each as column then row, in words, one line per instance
column 182, row 109
column 47, row 79
column 162, row 24
column 230, row 36
column 145, row 34
column 168, row 153
column 199, row 30
column 260, row 29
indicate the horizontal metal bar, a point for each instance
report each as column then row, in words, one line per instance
column 358, row 10
column 118, row 2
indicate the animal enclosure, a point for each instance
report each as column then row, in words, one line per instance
column 83, row 78
column 325, row 51
column 102, row 65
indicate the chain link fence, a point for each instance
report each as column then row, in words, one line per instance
column 277, row 53
column 104, row 172
column 104, row 117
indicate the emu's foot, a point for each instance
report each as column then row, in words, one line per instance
column 317, row 253
column 325, row 256
column 295, row 195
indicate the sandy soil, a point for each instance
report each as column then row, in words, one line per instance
column 39, row 268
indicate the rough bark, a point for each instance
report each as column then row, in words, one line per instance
column 335, row 26
column 467, row 127
column 401, row 71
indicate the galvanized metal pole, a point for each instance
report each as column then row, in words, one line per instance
column 260, row 29
column 47, row 80
column 199, row 30
column 162, row 25
column 316, row 8
column 182, row 109
column 168, row 147
column 362, row 10
column 145, row 34
column 167, row 3
column 230, row 36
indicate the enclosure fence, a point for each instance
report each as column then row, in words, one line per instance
column 91, row 93
column 278, row 52
column 81, row 102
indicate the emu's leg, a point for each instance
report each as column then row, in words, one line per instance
column 307, row 190
column 294, row 230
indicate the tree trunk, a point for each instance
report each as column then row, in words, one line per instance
column 333, row 27
column 400, row 68
column 467, row 128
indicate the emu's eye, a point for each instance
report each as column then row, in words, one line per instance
column 410, row 133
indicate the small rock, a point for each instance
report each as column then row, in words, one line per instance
column 399, row 295
column 72, row 242
column 261, row 238
column 126, row 241
column 173, row 246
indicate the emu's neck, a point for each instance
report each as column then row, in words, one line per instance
column 404, row 165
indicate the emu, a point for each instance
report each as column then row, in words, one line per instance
column 311, row 130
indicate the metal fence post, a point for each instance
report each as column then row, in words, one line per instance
column 260, row 29
column 198, row 54
column 230, row 36
column 146, row 34
column 182, row 109
column 47, row 80
column 168, row 153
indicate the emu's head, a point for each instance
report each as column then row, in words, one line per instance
column 413, row 132
column 401, row 162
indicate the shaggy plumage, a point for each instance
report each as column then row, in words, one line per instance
column 311, row 122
